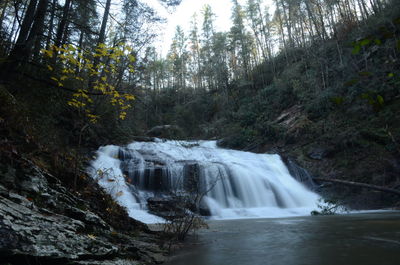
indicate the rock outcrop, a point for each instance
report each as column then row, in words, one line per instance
column 41, row 222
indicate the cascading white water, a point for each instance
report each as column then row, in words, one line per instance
column 239, row 184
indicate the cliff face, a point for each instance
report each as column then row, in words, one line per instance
column 42, row 222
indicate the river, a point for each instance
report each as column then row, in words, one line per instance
column 239, row 185
column 353, row 239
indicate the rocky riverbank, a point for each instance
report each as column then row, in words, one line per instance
column 43, row 222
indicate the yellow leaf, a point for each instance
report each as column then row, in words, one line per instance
column 122, row 115
column 48, row 53
column 129, row 97
column 91, row 236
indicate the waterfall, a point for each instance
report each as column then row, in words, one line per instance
column 236, row 184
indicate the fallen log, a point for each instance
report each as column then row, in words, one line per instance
column 358, row 184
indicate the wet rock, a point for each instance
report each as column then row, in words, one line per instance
column 319, row 153
column 167, row 207
column 204, row 211
column 299, row 173
column 172, row 207
column 191, row 181
column 125, row 154
column 224, row 142
column 160, row 204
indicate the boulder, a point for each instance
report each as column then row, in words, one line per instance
column 165, row 207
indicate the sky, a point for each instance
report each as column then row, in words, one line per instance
column 183, row 15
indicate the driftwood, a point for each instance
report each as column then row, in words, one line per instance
column 358, row 184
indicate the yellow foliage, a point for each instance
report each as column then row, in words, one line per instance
column 93, row 118
column 129, row 96
column 82, row 67
column 131, row 58
column 47, row 53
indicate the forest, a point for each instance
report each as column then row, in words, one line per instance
column 315, row 81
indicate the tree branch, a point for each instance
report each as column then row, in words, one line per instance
column 358, row 184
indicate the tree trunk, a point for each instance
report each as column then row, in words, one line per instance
column 364, row 8
column 374, row 7
column 321, row 19
column 11, row 39
column 285, row 48
column 101, row 39
column 3, row 13
column 26, row 26
column 102, row 34
column 63, row 23
column 363, row 15
column 358, row 184
column 37, row 31
column 80, row 49
column 20, row 48
column 288, row 24
column 3, row 41
column 313, row 20
column 51, row 24
column 303, row 38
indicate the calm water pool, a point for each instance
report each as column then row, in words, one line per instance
column 354, row 239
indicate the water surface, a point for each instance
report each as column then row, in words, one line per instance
column 356, row 239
